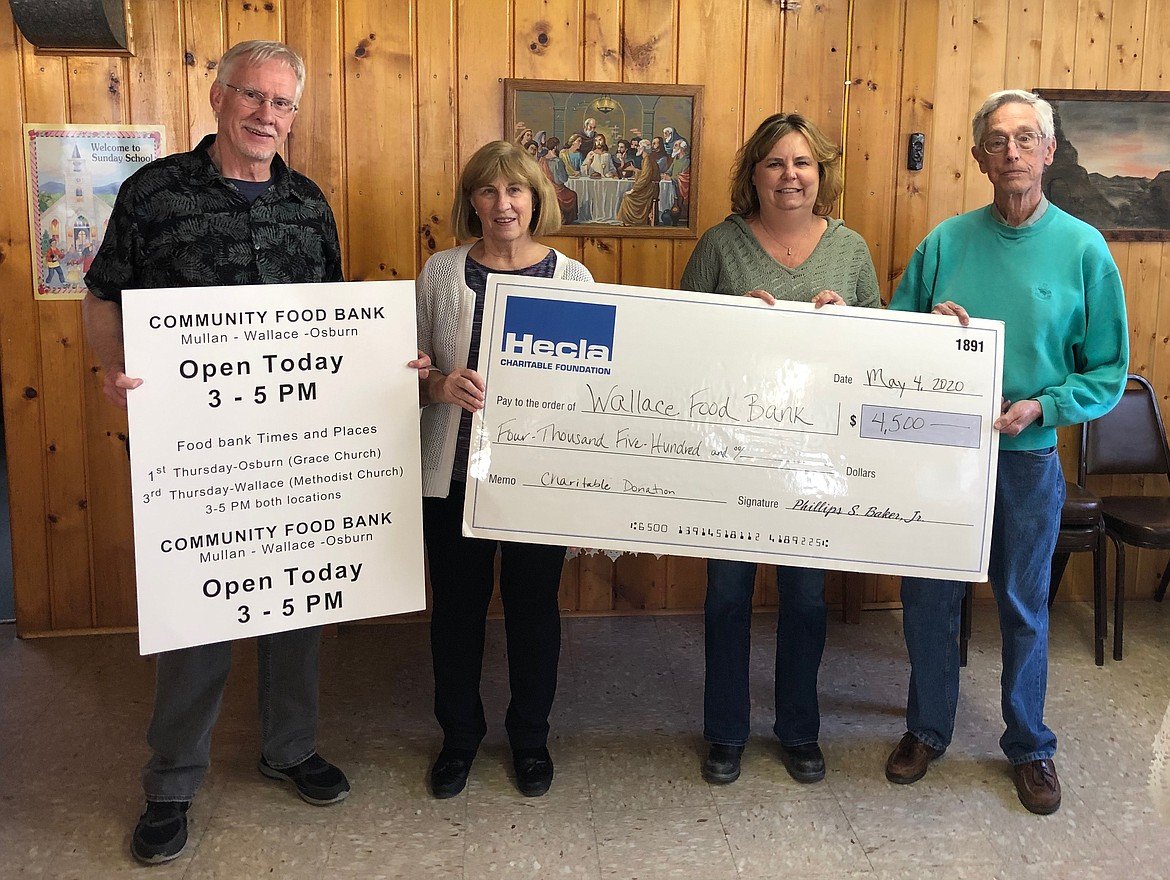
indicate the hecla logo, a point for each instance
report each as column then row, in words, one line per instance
column 558, row 329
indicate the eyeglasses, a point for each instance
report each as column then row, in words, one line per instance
column 255, row 100
column 1026, row 142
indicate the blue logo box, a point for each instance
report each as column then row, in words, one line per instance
column 557, row 328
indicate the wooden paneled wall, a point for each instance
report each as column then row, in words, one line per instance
column 401, row 92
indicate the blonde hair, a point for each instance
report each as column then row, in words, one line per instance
column 745, row 201
column 504, row 159
column 255, row 52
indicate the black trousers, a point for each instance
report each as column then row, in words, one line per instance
column 462, row 575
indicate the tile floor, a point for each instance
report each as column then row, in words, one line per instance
column 628, row 801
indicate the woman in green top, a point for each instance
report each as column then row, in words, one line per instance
column 779, row 243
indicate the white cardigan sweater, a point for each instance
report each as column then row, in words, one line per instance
column 445, row 310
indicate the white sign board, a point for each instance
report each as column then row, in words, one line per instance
column 698, row 425
column 274, row 458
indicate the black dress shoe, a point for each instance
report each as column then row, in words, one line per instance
column 534, row 771
column 722, row 764
column 804, row 763
column 449, row 774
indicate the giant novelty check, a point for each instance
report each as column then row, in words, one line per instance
column 632, row 419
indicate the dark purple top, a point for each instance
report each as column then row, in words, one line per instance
column 476, row 277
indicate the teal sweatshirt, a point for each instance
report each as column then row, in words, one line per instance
column 1056, row 288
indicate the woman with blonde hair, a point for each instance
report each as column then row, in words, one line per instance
column 779, row 243
column 504, row 203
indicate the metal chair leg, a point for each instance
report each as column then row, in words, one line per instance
column 1161, row 593
column 1118, row 597
column 1100, row 620
column 1059, row 564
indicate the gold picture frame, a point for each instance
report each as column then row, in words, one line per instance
column 637, row 175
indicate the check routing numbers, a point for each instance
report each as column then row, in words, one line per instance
column 885, row 418
column 275, row 471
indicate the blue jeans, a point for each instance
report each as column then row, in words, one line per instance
column 800, row 642
column 1028, row 497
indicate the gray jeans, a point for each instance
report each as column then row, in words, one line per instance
column 188, row 689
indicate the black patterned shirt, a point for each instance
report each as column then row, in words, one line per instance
column 178, row 223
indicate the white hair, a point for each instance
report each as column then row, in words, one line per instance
column 254, row 52
column 1013, row 96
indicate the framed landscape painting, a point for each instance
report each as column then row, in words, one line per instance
column 621, row 156
column 1112, row 161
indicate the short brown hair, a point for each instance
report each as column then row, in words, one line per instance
column 502, row 159
column 745, row 201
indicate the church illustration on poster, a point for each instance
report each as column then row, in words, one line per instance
column 74, row 173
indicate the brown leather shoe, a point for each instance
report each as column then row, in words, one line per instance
column 1037, row 786
column 909, row 761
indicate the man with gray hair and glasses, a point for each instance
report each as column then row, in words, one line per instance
column 229, row 212
column 1052, row 281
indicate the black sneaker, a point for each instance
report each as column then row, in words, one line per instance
column 449, row 772
column 534, row 771
column 804, row 763
column 318, row 782
column 161, row 832
column 722, row 764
